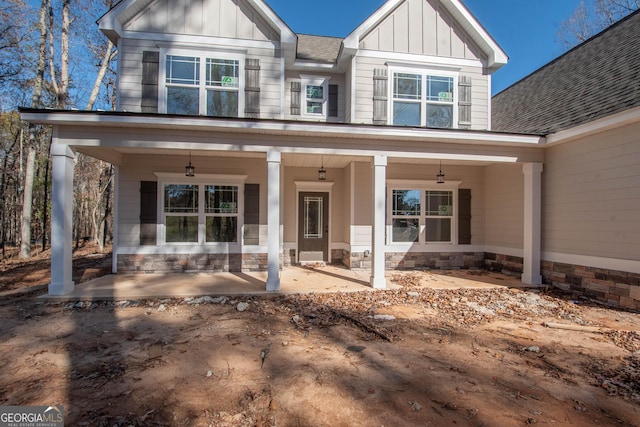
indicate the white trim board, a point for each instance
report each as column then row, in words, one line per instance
column 625, row 265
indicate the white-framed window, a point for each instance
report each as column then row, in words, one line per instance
column 423, row 98
column 421, row 213
column 315, row 95
column 199, row 83
column 203, row 211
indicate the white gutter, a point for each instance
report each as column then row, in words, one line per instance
column 600, row 125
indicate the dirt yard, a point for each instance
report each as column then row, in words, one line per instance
column 407, row 357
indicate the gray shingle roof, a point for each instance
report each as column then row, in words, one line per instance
column 598, row 78
column 318, row 48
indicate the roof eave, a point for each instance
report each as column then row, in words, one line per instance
column 299, row 128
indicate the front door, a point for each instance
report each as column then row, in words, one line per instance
column 313, row 227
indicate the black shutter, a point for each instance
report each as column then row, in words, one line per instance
column 148, row 212
column 150, row 67
column 252, row 214
column 333, row 100
column 295, row 98
column 380, row 97
column 252, row 89
column 464, row 102
column 464, row 216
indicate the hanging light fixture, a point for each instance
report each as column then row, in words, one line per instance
column 189, row 170
column 322, row 173
column 440, row 175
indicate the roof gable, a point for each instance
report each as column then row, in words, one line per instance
column 421, row 27
column 597, row 78
column 470, row 39
column 220, row 18
column 253, row 19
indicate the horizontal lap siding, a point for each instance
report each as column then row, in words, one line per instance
column 364, row 88
column 130, row 80
column 504, row 206
column 136, row 168
column 364, row 91
column 591, row 202
column 471, row 177
column 334, row 79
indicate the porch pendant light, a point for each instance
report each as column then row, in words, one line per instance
column 440, row 175
column 322, row 173
column 189, row 170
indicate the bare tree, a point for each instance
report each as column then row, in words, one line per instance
column 590, row 17
column 27, row 203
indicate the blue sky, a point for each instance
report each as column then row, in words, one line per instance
column 525, row 29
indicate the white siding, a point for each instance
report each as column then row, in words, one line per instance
column 421, row 27
column 335, row 79
column 504, row 206
column 591, row 197
column 130, row 80
column 364, row 91
column 215, row 18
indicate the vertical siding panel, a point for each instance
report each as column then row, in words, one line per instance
column 444, row 34
column 371, row 41
column 400, row 29
column 212, row 18
column 415, row 26
column 457, row 42
column 386, row 35
column 245, row 21
column 194, row 17
column 429, row 29
column 228, row 19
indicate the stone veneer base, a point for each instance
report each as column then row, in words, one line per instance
column 614, row 288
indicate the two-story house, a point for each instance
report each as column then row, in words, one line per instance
column 240, row 145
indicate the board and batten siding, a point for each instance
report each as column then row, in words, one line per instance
column 591, row 197
column 364, row 90
column 215, row 18
column 136, row 168
column 130, row 79
column 504, row 206
column 421, row 27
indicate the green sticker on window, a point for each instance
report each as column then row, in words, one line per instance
column 445, row 96
column 445, row 210
column 229, row 81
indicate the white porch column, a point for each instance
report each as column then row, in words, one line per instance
column 532, row 222
column 273, row 220
column 61, row 220
column 378, row 280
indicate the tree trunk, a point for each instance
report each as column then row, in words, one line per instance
column 45, row 203
column 25, row 241
column 106, row 60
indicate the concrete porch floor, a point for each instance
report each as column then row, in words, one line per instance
column 294, row 279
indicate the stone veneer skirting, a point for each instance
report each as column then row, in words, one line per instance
column 421, row 260
column 611, row 287
column 176, row 263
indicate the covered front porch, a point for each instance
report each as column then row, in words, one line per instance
column 293, row 280
column 278, row 162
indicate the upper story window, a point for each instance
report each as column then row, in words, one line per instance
column 202, row 85
column 315, row 96
column 423, row 99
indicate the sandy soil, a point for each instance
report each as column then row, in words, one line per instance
column 408, row 357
